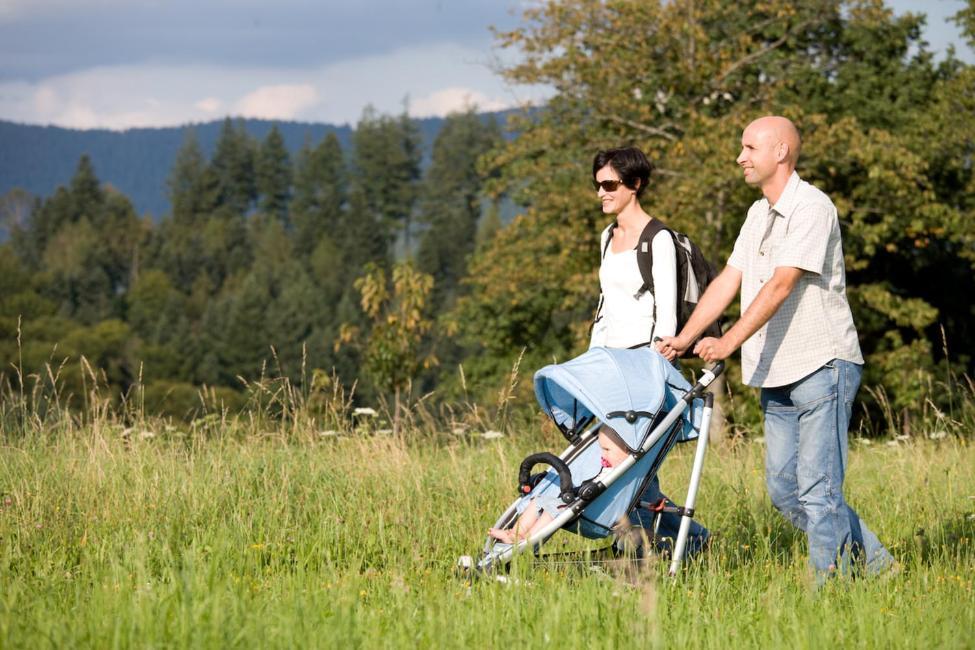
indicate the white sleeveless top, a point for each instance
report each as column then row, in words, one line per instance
column 626, row 321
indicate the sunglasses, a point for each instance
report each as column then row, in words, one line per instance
column 608, row 186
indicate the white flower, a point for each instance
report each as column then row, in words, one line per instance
column 365, row 411
column 328, row 434
column 492, row 435
column 903, row 438
column 146, row 435
column 384, row 432
column 938, row 435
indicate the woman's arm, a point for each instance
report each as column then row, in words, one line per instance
column 664, row 271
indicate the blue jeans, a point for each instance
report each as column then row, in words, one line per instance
column 805, row 463
column 669, row 526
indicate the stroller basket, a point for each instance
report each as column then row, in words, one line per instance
column 650, row 406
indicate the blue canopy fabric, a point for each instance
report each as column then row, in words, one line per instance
column 600, row 382
column 606, row 381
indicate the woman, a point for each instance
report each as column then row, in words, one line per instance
column 628, row 316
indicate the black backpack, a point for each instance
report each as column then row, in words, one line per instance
column 694, row 273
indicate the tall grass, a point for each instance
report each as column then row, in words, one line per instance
column 270, row 541
column 295, row 523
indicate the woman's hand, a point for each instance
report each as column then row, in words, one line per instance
column 671, row 347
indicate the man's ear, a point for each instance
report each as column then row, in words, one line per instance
column 781, row 152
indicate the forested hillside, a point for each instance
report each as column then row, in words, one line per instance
column 38, row 159
column 351, row 254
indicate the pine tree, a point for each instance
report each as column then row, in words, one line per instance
column 451, row 200
column 386, row 170
column 273, row 170
column 319, row 194
column 233, row 168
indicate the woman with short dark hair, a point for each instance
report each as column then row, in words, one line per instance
column 629, row 316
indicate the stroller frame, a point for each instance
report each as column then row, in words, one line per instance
column 493, row 558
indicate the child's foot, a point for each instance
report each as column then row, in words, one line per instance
column 502, row 535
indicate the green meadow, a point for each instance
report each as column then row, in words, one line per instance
column 251, row 537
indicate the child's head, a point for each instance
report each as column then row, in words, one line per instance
column 614, row 451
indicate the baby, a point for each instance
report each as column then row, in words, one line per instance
column 535, row 516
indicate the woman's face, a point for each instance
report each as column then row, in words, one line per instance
column 613, row 201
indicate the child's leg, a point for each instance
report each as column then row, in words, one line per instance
column 531, row 521
column 519, row 531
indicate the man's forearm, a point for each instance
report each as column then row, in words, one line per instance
column 766, row 303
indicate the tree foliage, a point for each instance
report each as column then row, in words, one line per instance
column 888, row 135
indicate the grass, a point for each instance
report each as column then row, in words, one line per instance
column 280, row 540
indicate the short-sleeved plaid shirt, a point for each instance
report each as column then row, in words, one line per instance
column 814, row 324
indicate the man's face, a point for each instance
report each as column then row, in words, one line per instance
column 758, row 159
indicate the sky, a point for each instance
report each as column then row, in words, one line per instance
column 121, row 64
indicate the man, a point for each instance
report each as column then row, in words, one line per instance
column 799, row 345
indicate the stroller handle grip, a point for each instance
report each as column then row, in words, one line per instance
column 525, row 483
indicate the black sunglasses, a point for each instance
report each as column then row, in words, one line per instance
column 608, row 186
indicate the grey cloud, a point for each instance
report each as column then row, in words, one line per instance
column 45, row 42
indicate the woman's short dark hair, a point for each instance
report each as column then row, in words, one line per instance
column 629, row 162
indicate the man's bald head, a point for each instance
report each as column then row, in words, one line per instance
column 777, row 130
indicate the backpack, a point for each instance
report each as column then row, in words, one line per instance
column 694, row 273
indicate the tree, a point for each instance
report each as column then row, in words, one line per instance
column 451, row 201
column 681, row 79
column 319, row 194
column 192, row 185
column 273, row 170
column 233, row 168
column 386, row 168
column 397, row 326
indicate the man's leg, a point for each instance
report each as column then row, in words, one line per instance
column 866, row 547
column 781, row 452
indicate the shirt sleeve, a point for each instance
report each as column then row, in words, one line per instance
column 806, row 239
column 664, row 271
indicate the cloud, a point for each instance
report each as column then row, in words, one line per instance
column 146, row 95
column 455, row 99
column 280, row 102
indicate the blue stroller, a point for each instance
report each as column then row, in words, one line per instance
column 650, row 406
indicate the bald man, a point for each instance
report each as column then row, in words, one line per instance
column 799, row 346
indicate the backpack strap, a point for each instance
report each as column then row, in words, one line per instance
column 607, row 238
column 644, row 258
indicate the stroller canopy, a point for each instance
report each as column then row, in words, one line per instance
column 622, row 388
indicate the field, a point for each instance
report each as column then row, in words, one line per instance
column 163, row 538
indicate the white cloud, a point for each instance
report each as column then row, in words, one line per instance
column 145, row 95
column 455, row 99
column 280, row 102
column 209, row 105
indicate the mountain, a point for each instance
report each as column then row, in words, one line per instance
column 137, row 161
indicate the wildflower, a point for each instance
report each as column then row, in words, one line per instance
column 365, row 411
column 492, row 435
column 903, row 438
column 328, row 434
column 146, row 435
column 938, row 435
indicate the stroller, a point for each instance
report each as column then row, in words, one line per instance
column 650, row 406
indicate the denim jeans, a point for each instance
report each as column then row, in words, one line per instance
column 805, row 463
